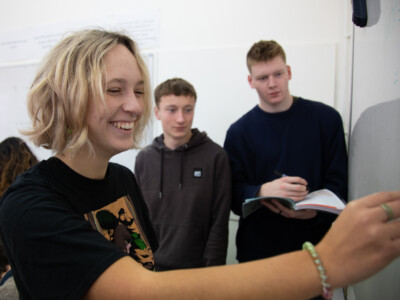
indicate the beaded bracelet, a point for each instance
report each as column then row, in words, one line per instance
column 326, row 287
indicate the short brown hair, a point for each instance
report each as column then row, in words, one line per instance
column 174, row 86
column 73, row 71
column 263, row 51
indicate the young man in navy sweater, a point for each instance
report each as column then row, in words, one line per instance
column 285, row 146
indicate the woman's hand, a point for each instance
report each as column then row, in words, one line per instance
column 362, row 240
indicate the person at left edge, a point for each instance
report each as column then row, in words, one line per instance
column 185, row 180
column 15, row 158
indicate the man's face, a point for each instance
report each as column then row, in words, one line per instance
column 176, row 115
column 271, row 81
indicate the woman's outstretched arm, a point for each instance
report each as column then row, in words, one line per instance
column 360, row 243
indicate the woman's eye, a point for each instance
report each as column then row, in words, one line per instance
column 114, row 91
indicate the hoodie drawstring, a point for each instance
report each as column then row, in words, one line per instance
column 184, row 147
column 181, row 175
column 161, row 172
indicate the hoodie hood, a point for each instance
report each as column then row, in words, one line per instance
column 198, row 138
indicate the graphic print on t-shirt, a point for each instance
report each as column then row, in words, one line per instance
column 117, row 222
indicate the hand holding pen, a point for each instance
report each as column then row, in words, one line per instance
column 284, row 175
column 293, row 187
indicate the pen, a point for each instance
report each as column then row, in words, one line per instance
column 279, row 174
column 283, row 175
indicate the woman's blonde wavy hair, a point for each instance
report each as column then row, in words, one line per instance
column 73, row 71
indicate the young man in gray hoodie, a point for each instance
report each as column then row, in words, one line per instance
column 185, row 180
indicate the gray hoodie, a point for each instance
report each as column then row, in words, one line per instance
column 188, row 193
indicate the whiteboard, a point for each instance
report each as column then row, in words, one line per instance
column 376, row 75
column 14, row 85
column 375, row 136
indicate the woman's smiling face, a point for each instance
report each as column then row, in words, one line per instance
column 111, row 126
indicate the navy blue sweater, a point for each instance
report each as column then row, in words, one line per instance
column 307, row 141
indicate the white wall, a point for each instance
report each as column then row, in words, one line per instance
column 220, row 33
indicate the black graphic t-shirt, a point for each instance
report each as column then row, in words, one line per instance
column 62, row 230
column 118, row 223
